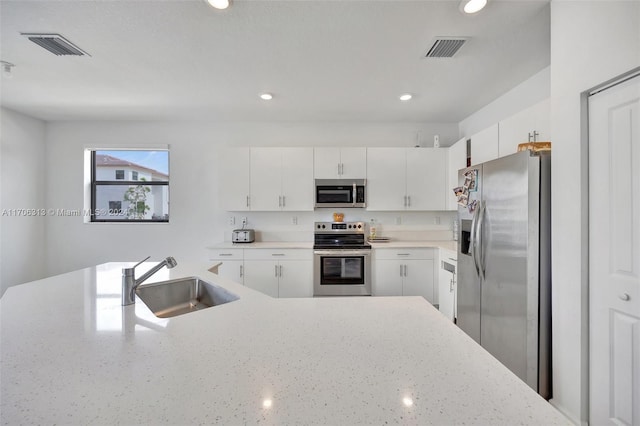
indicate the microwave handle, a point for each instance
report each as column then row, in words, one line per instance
column 355, row 194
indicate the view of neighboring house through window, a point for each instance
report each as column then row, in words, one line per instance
column 144, row 198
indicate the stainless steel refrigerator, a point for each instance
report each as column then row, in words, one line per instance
column 504, row 262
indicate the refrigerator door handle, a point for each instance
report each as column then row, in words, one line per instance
column 481, row 257
column 474, row 241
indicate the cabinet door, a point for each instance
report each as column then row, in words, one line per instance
column 386, row 178
column 418, row 279
column 387, row 278
column 353, row 163
column 266, row 182
column 457, row 160
column 326, row 163
column 262, row 275
column 232, row 269
column 426, row 178
column 445, row 293
column 233, row 175
column 297, row 179
column 296, row 278
column 484, row 145
column 515, row 130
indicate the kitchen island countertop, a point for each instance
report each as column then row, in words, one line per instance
column 71, row 354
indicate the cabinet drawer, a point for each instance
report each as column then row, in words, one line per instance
column 410, row 253
column 278, row 254
column 225, row 254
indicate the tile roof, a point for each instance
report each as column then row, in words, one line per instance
column 103, row 160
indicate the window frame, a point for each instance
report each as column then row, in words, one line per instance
column 125, row 183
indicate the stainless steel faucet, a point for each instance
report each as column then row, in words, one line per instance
column 129, row 282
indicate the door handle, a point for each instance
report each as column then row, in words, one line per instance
column 400, row 270
column 354, row 195
column 247, row 201
column 339, row 169
column 474, row 242
column 241, row 270
column 280, row 271
column 284, row 201
column 408, row 200
column 405, row 270
column 481, row 254
column 625, row 297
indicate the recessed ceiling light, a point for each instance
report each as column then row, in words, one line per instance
column 219, row 4
column 472, row 6
column 266, row 96
column 405, row 96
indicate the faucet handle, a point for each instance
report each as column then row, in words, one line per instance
column 142, row 261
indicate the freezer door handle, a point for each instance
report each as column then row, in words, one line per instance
column 474, row 239
column 481, row 255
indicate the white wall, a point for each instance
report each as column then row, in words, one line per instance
column 22, row 171
column 195, row 218
column 591, row 42
column 528, row 93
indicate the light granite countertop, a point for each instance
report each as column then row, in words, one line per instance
column 71, row 354
column 446, row 244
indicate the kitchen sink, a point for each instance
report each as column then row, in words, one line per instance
column 171, row 298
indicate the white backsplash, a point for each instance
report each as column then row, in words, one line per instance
column 298, row 226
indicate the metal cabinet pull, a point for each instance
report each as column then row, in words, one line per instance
column 225, row 254
column 277, row 254
column 405, row 270
column 247, row 201
column 408, row 200
column 241, row 270
column 404, row 254
column 625, row 297
column 283, row 200
column 339, row 169
column 280, row 270
column 405, row 201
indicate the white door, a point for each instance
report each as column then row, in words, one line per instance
column 297, row 179
column 387, row 278
column 353, row 163
column 457, row 159
column 418, row 279
column 614, row 255
column 326, row 162
column 296, row 278
column 426, row 178
column 386, row 179
column 262, row 275
column 233, row 172
column 266, row 183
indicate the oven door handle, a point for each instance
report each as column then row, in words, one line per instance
column 340, row 252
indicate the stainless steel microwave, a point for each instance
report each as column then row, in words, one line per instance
column 340, row 193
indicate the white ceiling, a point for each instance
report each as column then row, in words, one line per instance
column 343, row 60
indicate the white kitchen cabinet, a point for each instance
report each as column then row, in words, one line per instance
column 404, row 272
column 484, row 145
column 447, row 284
column 426, row 178
column 457, row 159
column 279, row 273
column 406, row 179
column 340, row 163
column 520, row 128
column 281, row 179
column 233, row 173
column 232, row 263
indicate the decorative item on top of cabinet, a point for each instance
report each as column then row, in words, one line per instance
column 340, row 163
column 406, row 179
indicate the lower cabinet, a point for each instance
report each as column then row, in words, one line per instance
column 447, row 284
column 232, row 263
column 404, row 272
column 279, row 273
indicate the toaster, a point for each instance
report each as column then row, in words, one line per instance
column 243, row 236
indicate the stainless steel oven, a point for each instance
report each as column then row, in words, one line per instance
column 342, row 260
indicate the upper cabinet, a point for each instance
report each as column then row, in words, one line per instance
column 281, row 179
column 406, row 178
column 457, row 159
column 484, row 145
column 340, row 163
column 529, row 125
column 233, row 175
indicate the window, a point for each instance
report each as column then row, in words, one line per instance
column 145, row 198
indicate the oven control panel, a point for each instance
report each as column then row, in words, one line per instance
column 340, row 227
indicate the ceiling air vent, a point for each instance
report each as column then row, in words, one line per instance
column 445, row 47
column 56, row 44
